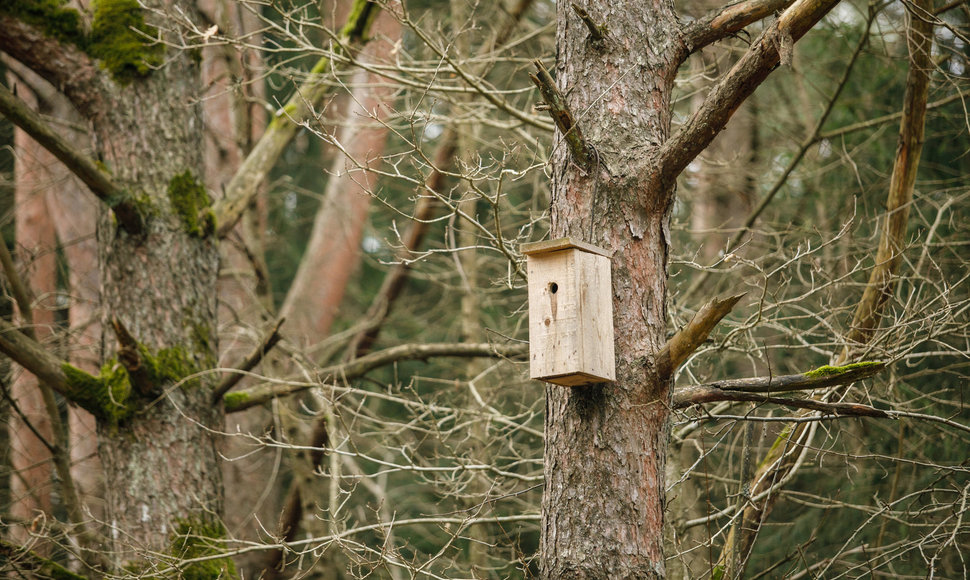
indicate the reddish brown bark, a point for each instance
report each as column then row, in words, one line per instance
column 31, row 483
column 333, row 251
column 606, row 445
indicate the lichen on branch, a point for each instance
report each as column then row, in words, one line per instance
column 831, row 371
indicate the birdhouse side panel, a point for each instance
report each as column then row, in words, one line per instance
column 554, row 317
column 596, row 316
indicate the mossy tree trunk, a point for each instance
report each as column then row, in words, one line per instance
column 161, row 465
column 158, row 261
column 141, row 96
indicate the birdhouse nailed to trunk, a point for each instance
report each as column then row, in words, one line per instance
column 570, row 313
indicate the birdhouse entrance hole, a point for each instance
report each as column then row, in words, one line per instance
column 570, row 313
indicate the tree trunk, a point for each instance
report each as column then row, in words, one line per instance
column 606, row 444
column 31, row 462
column 160, row 461
column 74, row 212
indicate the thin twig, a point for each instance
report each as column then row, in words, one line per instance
column 241, row 400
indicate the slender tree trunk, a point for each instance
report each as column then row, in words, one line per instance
column 781, row 458
column 606, row 444
column 334, row 245
column 31, row 463
column 74, row 212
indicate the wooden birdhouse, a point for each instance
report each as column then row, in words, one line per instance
column 570, row 313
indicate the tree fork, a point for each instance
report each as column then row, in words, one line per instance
column 555, row 104
column 603, row 503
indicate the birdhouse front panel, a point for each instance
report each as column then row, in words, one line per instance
column 570, row 313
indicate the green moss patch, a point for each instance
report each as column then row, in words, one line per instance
column 169, row 365
column 198, row 538
column 120, row 39
column 51, row 16
column 105, row 396
column 232, row 401
column 362, row 15
column 830, row 371
column 108, row 396
column 189, row 199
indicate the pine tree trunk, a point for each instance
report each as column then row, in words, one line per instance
column 606, row 444
column 160, row 461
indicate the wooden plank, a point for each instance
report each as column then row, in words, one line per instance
column 546, row 246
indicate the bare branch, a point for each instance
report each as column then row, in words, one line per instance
column 19, row 560
column 64, row 65
column 713, row 394
column 59, row 450
column 675, row 352
column 803, row 148
column 736, row 86
column 350, row 370
column 582, row 153
column 24, row 419
column 245, row 183
column 97, row 180
column 723, row 22
column 775, row 465
column 597, row 32
column 424, row 210
column 31, row 355
column 841, row 131
column 21, row 293
column 247, row 364
column 397, row 276
column 740, row 389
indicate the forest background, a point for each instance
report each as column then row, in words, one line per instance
column 331, row 196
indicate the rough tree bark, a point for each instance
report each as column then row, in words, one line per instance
column 160, row 284
column 158, row 268
column 614, row 170
column 606, row 444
